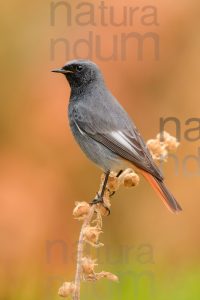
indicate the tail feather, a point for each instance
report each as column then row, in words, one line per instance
column 163, row 192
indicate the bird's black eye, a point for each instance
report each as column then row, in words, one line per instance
column 79, row 68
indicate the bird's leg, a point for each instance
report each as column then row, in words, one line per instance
column 99, row 198
column 118, row 174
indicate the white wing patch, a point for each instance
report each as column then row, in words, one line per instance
column 122, row 139
column 79, row 129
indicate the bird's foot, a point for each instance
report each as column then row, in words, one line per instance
column 99, row 200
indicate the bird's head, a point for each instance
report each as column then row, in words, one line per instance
column 80, row 72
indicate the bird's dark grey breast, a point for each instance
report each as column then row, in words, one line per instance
column 80, row 110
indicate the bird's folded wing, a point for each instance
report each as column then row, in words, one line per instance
column 126, row 142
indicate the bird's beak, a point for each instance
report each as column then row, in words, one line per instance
column 62, row 71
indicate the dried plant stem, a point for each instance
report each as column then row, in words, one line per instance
column 80, row 247
column 91, row 216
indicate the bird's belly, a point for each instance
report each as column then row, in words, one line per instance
column 98, row 153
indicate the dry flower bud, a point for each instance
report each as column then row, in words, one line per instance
column 131, row 179
column 104, row 209
column 157, row 149
column 172, row 144
column 88, row 265
column 81, row 210
column 67, row 289
column 91, row 234
column 106, row 275
column 169, row 140
column 113, row 183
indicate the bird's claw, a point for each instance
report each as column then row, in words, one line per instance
column 99, row 200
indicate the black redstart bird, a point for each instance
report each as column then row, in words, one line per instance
column 105, row 132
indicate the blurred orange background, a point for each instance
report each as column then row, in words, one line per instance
column 43, row 172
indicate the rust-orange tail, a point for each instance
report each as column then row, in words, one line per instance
column 163, row 192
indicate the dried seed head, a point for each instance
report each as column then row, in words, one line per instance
column 88, row 265
column 157, row 149
column 172, row 144
column 106, row 275
column 91, row 234
column 81, row 210
column 131, row 179
column 170, row 141
column 104, row 208
column 67, row 289
column 113, row 183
